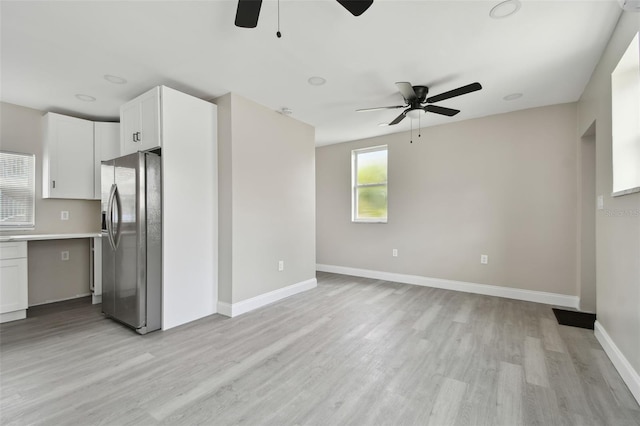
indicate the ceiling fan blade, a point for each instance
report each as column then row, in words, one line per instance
column 379, row 108
column 356, row 7
column 407, row 92
column 398, row 118
column 455, row 92
column 248, row 13
column 441, row 110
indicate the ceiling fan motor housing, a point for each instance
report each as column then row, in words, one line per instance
column 421, row 93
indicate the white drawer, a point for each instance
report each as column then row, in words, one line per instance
column 13, row 250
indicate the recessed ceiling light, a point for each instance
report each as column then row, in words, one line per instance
column 85, row 98
column 286, row 111
column 505, row 8
column 114, row 79
column 316, row 81
column 512, row 97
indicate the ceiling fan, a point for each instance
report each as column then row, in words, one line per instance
column 417, row 101
column 249, row 10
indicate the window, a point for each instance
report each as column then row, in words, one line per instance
column 17, row 190
column 625, row 110
column 369, row 182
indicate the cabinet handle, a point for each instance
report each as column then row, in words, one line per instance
column 138, row 136
column 134, row 138
column 54, row 183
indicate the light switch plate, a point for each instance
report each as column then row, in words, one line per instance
column 600, row 202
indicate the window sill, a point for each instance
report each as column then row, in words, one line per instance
column 368, row 221
column 626, row 192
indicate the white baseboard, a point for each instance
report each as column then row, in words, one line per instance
column 239, row 308
column 620, row 362
column 224, row 309
column 13, row 316
column 489, row 290
column 77, row 296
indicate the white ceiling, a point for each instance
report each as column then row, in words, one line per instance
column 51, row 51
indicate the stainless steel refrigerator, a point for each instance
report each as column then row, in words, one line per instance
column 132, row 241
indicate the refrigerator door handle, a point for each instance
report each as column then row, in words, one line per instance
column 116, row 237
column 109, row 219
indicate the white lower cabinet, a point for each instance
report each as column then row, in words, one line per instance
column 13, row 281
column 96, row 270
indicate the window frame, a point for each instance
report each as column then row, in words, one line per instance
column 27, row 225
column 355, row 186
column 625, row 132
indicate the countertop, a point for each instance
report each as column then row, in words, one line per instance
column 38, row 237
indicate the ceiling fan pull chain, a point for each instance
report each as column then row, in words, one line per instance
column 419, row 126
column 278, row 33
column 410, row 131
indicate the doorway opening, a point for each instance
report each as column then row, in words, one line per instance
column 587, row 220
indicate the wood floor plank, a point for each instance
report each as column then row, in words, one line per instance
column 352, row 351
column 534, row 365
column 509, row 401
column 448, row 402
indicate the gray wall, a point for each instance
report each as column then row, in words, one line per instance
column 502, row 185
column 267, row 200
column 618, row 225
column 49, row 277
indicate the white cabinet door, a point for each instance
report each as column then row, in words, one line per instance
column 13, row 280
column 150, row 120
column 129, row 125
column 13, row 285
column 96, row 252
column 68, row 158
column 106, row 138
column 140, row 123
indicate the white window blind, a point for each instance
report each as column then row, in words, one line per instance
column 17, row 190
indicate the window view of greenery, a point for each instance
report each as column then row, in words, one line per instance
column 371, row 185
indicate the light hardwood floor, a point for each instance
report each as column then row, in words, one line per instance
column 353, row 351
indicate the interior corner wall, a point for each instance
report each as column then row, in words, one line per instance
column 21, row 131
column 503, row 185
column 618, row 224
column 267, row 199
column 225, row 214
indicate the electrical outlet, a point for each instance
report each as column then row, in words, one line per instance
column 484, row 259
column 280, row 265
column 64, row 255
column 395, row 252
column 600, row 202
column 64, row 215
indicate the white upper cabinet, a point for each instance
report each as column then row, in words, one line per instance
column 140, row 123
column 68, row 158
column 106, row 137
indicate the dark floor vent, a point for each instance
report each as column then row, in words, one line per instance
column 575, row 319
